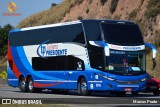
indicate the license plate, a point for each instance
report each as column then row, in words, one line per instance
column 128, row 89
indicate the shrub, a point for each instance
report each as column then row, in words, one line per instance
column 133, row 14
column 113, row 6
column 79, row 17
column 53, row 4
column 87, row 10
column 152, row 12
column 153, row 8
column 157, row 41
column 90, row 1
column 103, row 1
column 116, row 17
column 141, row 26
column 152, row 3
column 107, row 17
column 79, row 1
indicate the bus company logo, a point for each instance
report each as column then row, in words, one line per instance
column 45, row 50
column 12, row 7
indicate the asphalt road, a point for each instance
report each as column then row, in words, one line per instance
column 101, row 98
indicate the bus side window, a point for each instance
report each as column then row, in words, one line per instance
column 61, row 63
column 74, row 63
column 96, row 57
column 58, row 63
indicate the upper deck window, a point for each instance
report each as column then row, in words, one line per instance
column 59, row 34
column 122, row 34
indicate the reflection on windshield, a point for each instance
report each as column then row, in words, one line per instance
column 127, row 62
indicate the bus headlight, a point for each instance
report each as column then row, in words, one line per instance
column 111, row 79
column 108, row 78
column 143, row 79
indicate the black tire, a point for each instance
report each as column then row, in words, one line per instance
column 134, row 93
column 83, row 88
column 22, row 85
column 120, row 93
column 31, row 88
column 156, row 93
column 57, row 91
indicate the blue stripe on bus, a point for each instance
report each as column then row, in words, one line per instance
column 151, row 46
column 15, row 30
column 24, row 65
column 101, row 43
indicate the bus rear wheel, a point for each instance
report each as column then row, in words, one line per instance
column 83, row 88
column 31, row 87
column 22, row 85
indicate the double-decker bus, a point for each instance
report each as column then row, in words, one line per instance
column 84, row 55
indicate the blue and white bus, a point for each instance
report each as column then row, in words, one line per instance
column 83, row 55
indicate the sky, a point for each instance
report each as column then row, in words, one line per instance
column 25, row 8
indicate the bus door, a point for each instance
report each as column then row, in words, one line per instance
column 75, row 67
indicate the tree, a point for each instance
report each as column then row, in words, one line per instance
column 53, row 4
column 4, row 38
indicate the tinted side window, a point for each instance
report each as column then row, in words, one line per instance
column 118, row 34
column 74, row 63
column 58, row 63
column 96, row 56
column 67, row 33
column 92, row 30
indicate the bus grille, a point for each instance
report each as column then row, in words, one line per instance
column 128, row 82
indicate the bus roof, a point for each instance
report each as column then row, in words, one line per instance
column 70, row 23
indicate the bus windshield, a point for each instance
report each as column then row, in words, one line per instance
column 126, row 62
column 122, row 34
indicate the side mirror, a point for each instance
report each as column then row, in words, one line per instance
column 154, row 52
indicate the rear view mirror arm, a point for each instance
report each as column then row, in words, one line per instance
column 154, row 52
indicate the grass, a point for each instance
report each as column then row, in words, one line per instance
column 113, row 5
column 133, row 14
column 153, row 9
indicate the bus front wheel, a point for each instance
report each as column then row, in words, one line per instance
column 156, row 93
column 134, row 93
column 120, row 93
column 83, row 88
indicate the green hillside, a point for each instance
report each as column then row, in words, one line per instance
column 53, row 15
